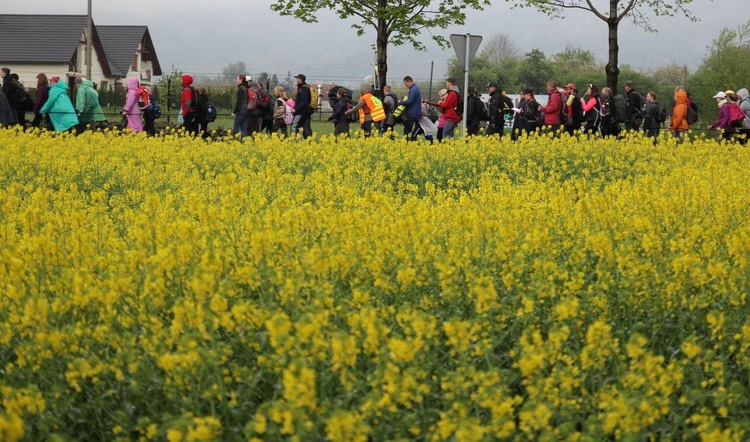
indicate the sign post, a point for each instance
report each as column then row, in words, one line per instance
column 466, row 46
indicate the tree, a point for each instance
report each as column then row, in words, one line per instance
column 395, row 22
column 536, row 70
column 725, row 67
column 499, row 47
column 483, row 71
column 232, row 70
column 637, row 10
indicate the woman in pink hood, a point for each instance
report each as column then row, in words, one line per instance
column 131, row 111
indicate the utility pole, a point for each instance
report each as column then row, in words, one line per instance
column 89, row 38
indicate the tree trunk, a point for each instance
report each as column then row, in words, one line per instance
column 612, row 69
column 382, row 48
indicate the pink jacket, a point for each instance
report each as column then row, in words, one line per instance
column 132, row 111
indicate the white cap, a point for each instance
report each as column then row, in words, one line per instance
column 721, row 95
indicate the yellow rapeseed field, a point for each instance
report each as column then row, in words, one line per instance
column 545, row 289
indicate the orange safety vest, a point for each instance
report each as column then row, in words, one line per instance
column 375, row 107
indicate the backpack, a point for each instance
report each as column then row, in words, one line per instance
column 210, row 112
column 197, row 102
column 252, row 99
column 154, row 109
column 736, row 115
column 313, row 97
column 621, row 107
column 22, row 97
column 459, row 104
column 288, row 115
column 354, row 116
column 692, row 113
column 563, row 109
column 660, row 113
column 480, row 110
column 644, row 102
column 264, row 102
column 144, row 98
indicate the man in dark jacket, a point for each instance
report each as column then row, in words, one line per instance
column 240, row 113
column 500, row 105
column 634, row 107
column 302, row 110
column 413, row 105
column 575, row 110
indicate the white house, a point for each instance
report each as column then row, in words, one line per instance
column 56, row 46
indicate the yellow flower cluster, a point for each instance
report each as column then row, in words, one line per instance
column 478, row 289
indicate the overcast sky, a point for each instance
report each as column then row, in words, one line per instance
column 202, row 37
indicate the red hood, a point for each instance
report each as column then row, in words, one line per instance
column 187, row 80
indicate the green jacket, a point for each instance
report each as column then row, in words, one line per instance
column 59, row 108
column 87, row 103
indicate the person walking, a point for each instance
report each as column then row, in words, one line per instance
column 8, row 116
column 40, row 97
column 634, row 107
column 240, row 112
column 131, row 111
column 302, row 110
column 88, row 109
column 725, row 100
column 575, row 111
column 744, row 97
column 390, row 101
column 59, row 108
column 413, row 104
column 448, row 108
column 476, row 112
column 500, row 106
column 530, row 113
column 370, row 109
column 340, row 115
column 187, row 105
column 678, row 125
column 651, row 116
column 591, row 106
column 279, row 111
column 552, row 110
column 8, row 90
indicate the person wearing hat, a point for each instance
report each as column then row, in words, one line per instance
column 575, row 110
column 88, row 109
column 529, row 111
column 679, row 125
column 723, row 123
column 302, row 110
column 744, row 98
column 500, row 109
column 61, row 112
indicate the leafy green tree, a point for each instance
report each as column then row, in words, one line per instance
column 614, row 12
column 725, row 67
column 536, row 70
column 395, row 22
column 481, row 72
column 232, row 70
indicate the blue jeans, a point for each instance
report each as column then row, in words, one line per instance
column 449, row 129
column 240, row 123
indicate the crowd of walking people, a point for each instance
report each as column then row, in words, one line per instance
column 598, row 112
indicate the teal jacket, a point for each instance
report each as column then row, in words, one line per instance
column 59, row 108
column 87, row 103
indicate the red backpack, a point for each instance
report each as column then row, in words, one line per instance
column 252, row 99
column 144, row 97
column 736, row 115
